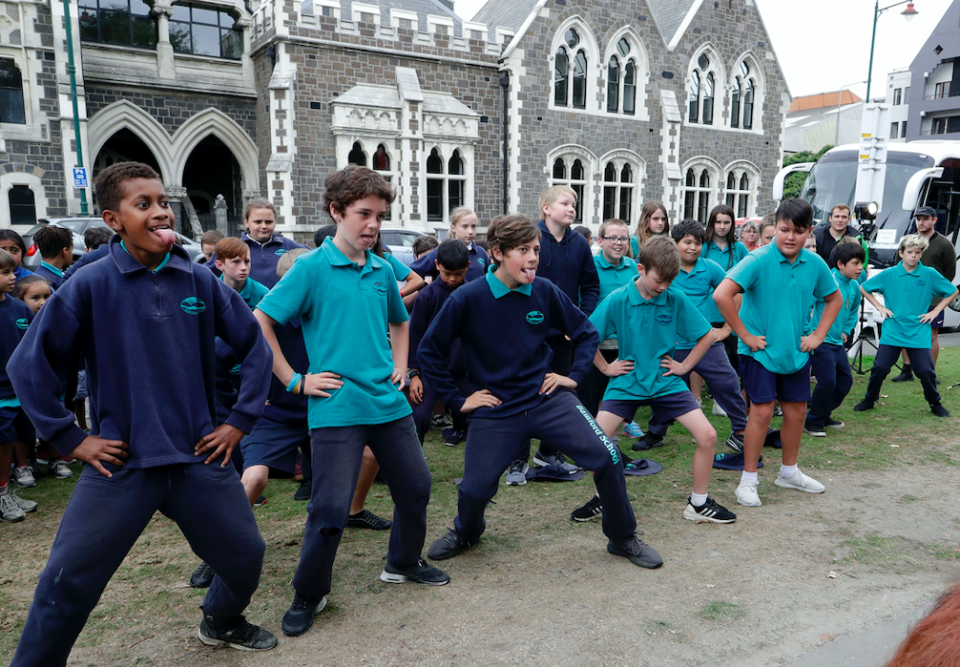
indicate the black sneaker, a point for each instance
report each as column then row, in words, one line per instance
column 299, row 617
column 260, row 502
column 777, row 410
column 591, row 510
column 448, row 546
column 419, row 573
column 906, row 375
column 636, row 551
column 304, row 491
column 452, row 437
column 735, row 442
column 239, row 634
column 833, row 423
column 648, row 441
column 711, row 512
column 939, row 410
column 863, row 406
column 367, row 519
column 202, row 577
column 814, row 430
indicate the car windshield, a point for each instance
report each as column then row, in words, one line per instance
column 833, row 180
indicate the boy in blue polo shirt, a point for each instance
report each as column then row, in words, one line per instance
column 829, row 362
column 452, row 264
column 56, row 250
column 780, row 283
column 649, row 318
column 519, row 397
column 698, row 278
column 908, row 290
column 153, row 445
column 342, row 285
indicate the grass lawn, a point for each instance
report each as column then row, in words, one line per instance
column 148, row 596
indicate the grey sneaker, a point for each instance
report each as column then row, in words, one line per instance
column 26, row 505
column 418, row 573
column 24, row 476
column 735, row 442
column 517, row 473
column 543, row 460
column 10, row 510
column 636, row 551
column 448, row 546
column 61, row 470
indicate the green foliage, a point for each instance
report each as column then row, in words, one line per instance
column 794, row 182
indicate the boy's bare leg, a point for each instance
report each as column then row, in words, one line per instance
column 706, row 438
column 756, row 433
column 22, row 451
column 696, row 385
column 609, row 422
column 368, row 472
column 254, row 481
column 791, row 430
column 6, row 458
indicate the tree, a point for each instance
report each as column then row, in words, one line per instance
column 793, row 184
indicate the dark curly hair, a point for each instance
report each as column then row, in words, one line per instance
column 109, row 184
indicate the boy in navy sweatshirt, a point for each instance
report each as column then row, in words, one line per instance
column 354, row 400
column 452, row 266
column 519, row 397
column 15, row 428
column 56, row 250
column 153, row 445
column 566, row 261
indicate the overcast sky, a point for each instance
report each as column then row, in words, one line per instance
column 824, row 45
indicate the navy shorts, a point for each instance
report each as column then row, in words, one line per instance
column 765, row 386
column 666, row 407
column 15, row 426
column 274, row 444
column 938, row 322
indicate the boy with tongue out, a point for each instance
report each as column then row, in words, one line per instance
column 153, row 445
column 518, row 397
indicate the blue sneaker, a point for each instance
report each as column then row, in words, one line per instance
column 632, row 430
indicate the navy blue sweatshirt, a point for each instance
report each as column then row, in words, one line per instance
column 55, row 280
column 569, row 265
column 479, row 262
column 148, row 342
column 425, row 309
column 15, row 318
column 286, row 407
column 504, row 342
column 86, row 258
column 263, row 258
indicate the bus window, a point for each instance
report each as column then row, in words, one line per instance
column 943, row 195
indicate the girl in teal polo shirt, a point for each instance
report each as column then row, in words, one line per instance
column 653, row 222
column 908, row 290
column 721, row 244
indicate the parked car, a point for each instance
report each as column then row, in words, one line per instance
column 78, row 226
column 399, row 241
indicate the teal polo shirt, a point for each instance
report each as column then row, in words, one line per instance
column 647, row 331
column 400, row 270
column 909, row 295
column 727, row 258
column 345, row 310
column 698, row 284
column 614, row 277
column 252, row 292
column 777, row 299
column 849, row 313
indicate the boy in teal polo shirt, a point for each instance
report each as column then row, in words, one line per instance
column 780, row 283
column 908, row 290
column 233, row 262
column 648, row 319
column 347, row 298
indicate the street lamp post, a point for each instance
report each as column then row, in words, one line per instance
column 908, row 13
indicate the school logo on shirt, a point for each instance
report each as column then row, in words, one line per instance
column 379, row 288
column 235, row 370
column 22, row 323
column 192, row 306
column 664, row 319
column 921, row 282
column 535, row 317
column 482, row 262
column 280, row 252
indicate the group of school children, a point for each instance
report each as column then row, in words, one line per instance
column 206, row 381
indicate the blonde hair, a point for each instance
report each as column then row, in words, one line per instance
column 285, row 263
column 553, row 193
column 611, row 222
column 913, row 241
column 457, row 214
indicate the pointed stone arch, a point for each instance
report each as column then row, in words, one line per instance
column 215, row 122
column 126, row 115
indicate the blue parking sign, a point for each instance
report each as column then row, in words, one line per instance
column 80, row 178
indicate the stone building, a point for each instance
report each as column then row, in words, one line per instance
column 677, row 100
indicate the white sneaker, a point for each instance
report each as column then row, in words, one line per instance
column 61, row 470
column 25, row 505
column 718, row 411
column 10, row 510
column 747, row 493
column 25, row 477
column 700, row 403
column 800, row 482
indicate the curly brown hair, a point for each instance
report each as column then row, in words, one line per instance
column 352, row 183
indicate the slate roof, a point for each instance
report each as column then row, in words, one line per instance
column 421, row 7
column 669, row 14
column 505, row 13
